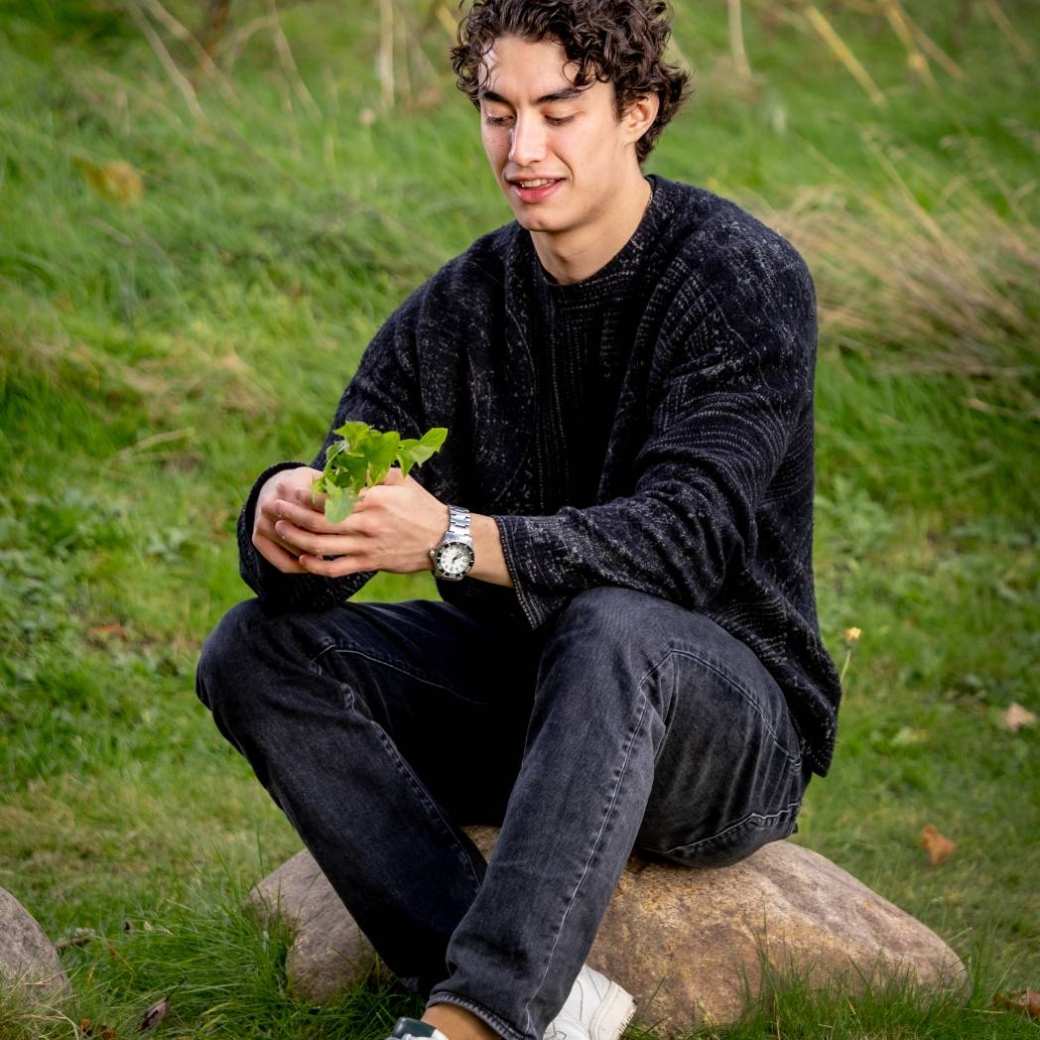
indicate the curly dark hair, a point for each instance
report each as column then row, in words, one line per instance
column 616, row 41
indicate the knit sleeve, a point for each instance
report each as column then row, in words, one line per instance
column 384, row 392
column 739, row 378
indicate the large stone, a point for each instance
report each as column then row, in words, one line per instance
column 329, row 953
column 29, row 962
column 690, row 945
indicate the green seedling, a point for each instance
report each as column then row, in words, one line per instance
column 362, row 459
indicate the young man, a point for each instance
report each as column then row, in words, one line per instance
column 627, row 655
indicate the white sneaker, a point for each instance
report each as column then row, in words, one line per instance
column 596, row 1009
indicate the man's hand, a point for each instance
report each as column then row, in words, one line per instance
column 289, row 484
column 392, row 527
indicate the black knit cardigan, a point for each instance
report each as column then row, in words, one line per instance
column 690, row 475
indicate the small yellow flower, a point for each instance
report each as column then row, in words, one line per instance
column 852, row 635
column 116, row 181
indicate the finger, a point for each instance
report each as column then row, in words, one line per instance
column 313, row 500
column 266, row 528
column 334, row 568
column 276, row 507
column 302, row 517
column 276, row 555
column 338, row 544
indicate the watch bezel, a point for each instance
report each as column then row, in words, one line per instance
column 437, row 551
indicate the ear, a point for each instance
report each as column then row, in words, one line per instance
column 639, row 116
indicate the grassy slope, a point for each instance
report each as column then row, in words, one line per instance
column 225, row 313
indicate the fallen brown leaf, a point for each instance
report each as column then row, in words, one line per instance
column 1027, row 1001
column 154, row 1015
column 116, row 181
column 1015, row 717
column 102, row 633
column 938, row 846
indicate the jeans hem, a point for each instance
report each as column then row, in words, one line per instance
column 496, row 1022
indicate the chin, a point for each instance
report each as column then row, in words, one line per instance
column 541, row 228
column 534, row 220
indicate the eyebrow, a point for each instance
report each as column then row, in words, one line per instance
column 557, row 95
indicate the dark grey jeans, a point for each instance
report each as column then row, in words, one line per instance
column 380, row 729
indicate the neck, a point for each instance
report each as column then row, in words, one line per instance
column 578, row 253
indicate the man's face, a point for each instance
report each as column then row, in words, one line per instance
column 536, row 125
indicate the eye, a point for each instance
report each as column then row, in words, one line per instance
column 503, row 120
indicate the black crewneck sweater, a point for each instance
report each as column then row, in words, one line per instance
column 649, row 427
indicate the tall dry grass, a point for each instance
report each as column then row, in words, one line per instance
column 949, row 287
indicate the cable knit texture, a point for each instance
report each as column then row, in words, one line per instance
column 649, row 427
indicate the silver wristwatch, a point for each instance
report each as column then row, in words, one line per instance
column 453, row 555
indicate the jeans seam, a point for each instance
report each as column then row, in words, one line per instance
column 595, row 844
column 791, row 809
column 666, row 718
column 735, row 683
column 383, row 661
column 428, row 803
column 406, row 771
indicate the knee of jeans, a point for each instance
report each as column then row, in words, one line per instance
column 627, row 631
column 613, row 614
column 227, row 650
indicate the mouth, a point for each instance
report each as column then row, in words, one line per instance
column 534, row 189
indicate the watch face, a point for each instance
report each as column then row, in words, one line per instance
column 455, row 558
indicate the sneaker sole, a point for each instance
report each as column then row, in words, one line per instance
column 613, row 1015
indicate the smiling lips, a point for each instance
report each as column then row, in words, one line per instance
column 535, row 189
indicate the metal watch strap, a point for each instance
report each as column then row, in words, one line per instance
column 458, row 522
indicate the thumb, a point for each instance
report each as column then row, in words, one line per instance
column 394, row 476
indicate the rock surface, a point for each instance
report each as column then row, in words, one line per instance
column 329, row 952
column 29, row 962
column 688, row 944
column 699, row 934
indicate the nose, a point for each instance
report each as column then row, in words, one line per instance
column 526, row 141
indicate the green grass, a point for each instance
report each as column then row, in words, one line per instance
column 153, row 359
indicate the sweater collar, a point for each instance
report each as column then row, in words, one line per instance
column 605, row 283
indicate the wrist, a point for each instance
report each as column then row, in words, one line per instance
column 490, row 563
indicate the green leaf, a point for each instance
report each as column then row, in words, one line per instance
column 431, row 442
column 434, row 438
column 363, row 457
column 349, row 470
column 415, row 453
column 353, row 432
column 334, row 449
column 339, row 504
column 381, row 456
column 404, row 454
